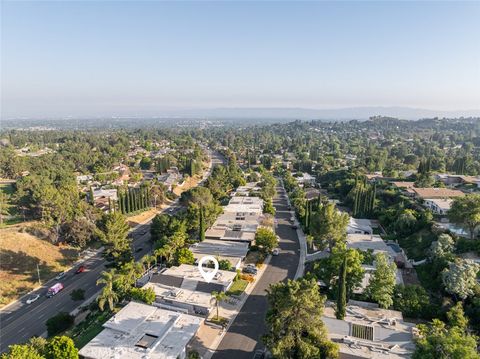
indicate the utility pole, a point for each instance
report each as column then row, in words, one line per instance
column 38, row 273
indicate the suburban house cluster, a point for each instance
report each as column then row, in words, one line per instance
column 183, row 296
column 229, row 238
column 101, row 189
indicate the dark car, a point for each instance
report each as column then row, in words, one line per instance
column 80, row 269
column 139, row 249
column 250, row 270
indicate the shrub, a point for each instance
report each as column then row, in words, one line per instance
column 464, row 245
column 248, row 277
column 78, row 294
column 193, row 355
column 143, row 295
column 59, row 323
column 224, row 264
column 413, row 301
column 61, row 348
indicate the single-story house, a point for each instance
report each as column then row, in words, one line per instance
column 234, row 252
column 359, row 226
column 370, row 332
column 438, row 205
column 424, row 193
column 141, row 331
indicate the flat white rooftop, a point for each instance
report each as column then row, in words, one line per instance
column 174, row 295
column 220, row 248
column 245, row 204
column 191, row 273
column 232, row 251
column 365, row 242
column 245, row 190
column 369, row 332
column 143, row 331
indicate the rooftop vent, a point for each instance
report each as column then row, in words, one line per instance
column 362, row 331
column 146, row 341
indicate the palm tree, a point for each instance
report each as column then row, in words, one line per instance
column 219, row 297
column 147, row 261
column 130, row 273
column 166, row 251
column 108, row 294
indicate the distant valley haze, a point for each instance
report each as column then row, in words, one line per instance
column 270, row 113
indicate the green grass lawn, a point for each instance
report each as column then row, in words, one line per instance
column 238, row 287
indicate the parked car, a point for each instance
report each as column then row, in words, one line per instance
column 294, row 226
column 275, row 252
column 33, row 298
column 60, row 276
column 250, row 270
column 80, row 269
column 139, row 249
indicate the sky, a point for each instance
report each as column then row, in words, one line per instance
column 120, row 58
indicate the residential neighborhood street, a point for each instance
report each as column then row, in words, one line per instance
column 243, row 337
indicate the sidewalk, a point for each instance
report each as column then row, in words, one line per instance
column 302, row 239
column 209, row 336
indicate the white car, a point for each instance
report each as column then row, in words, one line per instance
column 275, row 252
column 60, row 276
column 33, row 298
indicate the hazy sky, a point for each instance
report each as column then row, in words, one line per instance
column 89, row 58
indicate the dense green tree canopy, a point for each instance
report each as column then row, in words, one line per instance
column 294, row 322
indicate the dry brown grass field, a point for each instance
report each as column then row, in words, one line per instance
column 20, row 252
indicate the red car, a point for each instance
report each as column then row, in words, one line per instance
column 80, row 269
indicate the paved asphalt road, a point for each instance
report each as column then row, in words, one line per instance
column 21, row 321
column 243, row 336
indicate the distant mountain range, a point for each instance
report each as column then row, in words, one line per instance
column 359, row 113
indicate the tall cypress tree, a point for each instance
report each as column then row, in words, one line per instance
column 374, row 194
column 92, row 201
column 136, row 198
column 342, row 290
column 305, row 219
column 126, row 202
column 201, row 225
column 130, row 201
